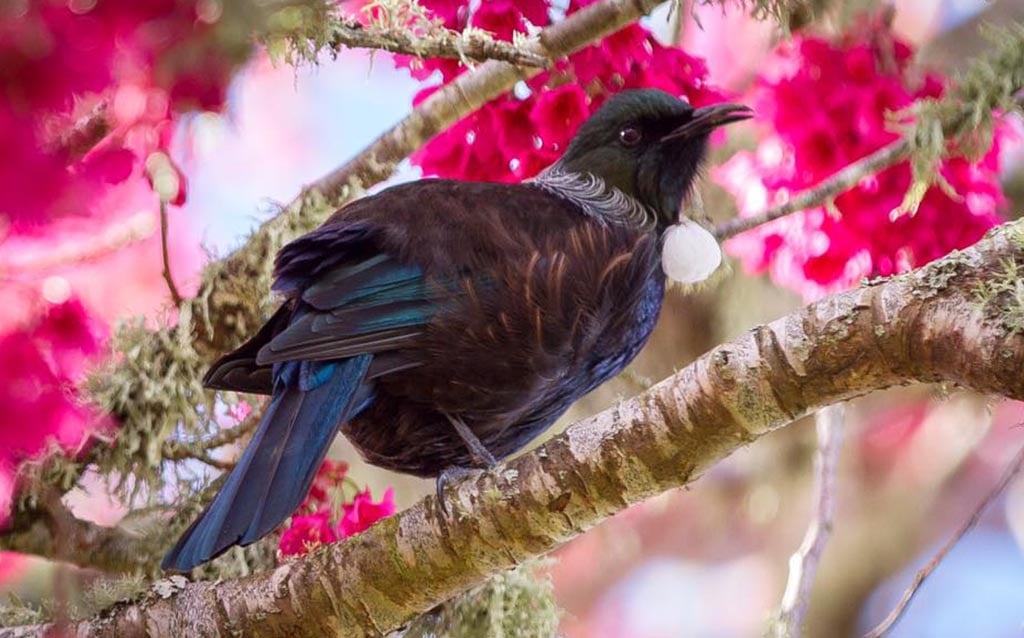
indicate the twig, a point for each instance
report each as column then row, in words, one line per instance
column 442, row 43
column 894, row 616
column 803, row 564
column 840, row 181
column 111, row 239
column 217, row 464
column 85, row 133
column 174, row 450
column 175, row 295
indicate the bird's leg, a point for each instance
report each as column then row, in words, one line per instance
column 481, row 456
column 478, row 452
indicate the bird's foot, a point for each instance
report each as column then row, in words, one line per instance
column 449, row 474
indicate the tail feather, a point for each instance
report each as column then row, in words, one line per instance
column 278, row 466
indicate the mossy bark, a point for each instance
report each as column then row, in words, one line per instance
column 925, row 326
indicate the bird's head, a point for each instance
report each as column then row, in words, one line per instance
column 649, row 145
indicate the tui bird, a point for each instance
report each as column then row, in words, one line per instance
column 442, row 325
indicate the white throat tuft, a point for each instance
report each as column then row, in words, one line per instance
column 689, row 253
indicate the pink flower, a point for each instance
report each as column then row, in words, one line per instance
column 72, row 337
column 556, row 112
column 150, row 60
column 330, row 475
column 362, row 512
column 514, row 137
column 307, row 533
column 829, row 103
column 12, row 566
column 39, row 366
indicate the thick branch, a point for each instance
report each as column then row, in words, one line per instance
column 925, row 326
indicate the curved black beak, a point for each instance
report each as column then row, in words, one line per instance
column 708, row 118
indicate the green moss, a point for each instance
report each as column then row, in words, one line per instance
column 100, row 595
column 514, row 604
column 154, row 389
column 298, row 33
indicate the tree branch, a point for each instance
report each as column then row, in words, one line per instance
column 884, row 627
column 166, row 257
column 475, row 46
column 838, row 183
column 60, row 535
column 925, row 326
column 803, row 565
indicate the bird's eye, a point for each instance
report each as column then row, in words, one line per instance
column 630, row 136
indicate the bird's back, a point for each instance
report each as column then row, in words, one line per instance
column 547, row 302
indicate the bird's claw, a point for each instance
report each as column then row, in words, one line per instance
column 449, row 474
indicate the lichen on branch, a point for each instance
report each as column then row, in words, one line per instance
column 396, row 26
column 963, row 120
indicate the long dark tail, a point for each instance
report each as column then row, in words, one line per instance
column 277, row 468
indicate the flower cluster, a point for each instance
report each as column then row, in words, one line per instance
column 40, row 365
column 515, row 136
column 321, row 525
column 117, row 70
column 830, row 104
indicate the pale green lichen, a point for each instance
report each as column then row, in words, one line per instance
column 298, row 33
column 302, row 34
column 1003, row 295
column 514, row 604
column 15, row 612
column 154, row 389
column 100, row 595
column 963, row 120
column 104, row 593
column 779, row 11
column 936, row 276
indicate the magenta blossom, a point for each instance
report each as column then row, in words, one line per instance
column 362, row 512
column 515, row 136
column 307, row 533
column 829, row 104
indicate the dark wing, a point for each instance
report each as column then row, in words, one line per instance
column 360, row 307
column 238, row 371
column 346, row 299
